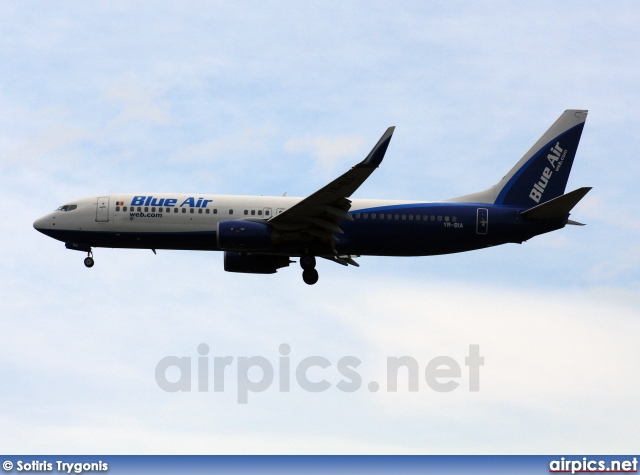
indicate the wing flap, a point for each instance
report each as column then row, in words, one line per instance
column 343, row 260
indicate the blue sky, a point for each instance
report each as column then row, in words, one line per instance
column 266, row 98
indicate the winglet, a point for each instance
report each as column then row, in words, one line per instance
column 377, row 153
column 320, row 213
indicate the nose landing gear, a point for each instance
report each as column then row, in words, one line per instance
column 309, row 272
column 74, row 246
column 88, row 261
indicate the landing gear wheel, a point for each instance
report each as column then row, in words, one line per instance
column 88, row 261
column 307, row 261
column 310, row 276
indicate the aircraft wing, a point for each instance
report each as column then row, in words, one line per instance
column 318, row 215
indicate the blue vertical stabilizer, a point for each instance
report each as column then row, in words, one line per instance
column 542, row 173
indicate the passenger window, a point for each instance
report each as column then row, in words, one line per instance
column 253, row 212
column 404, row 217
column 418, row 217
column 357, row 215
column 446, row 218
column 259, row 212
column 454, row 219
column 266, row 213
column 146, row 208
column 124, row 208
column 117, row 208
column 153, row 209
column 200, row 211
column 191, row 210
column 410, row 217
column 215, row 211
column 366, row 215
column 439, row 218
column 381, row 216
column 246, row 212
column 175, row 210
column 230, row 211
column 207, row 211
column 139, row 209
column 373, row 216
column 433, row 218
column 396, row 217
column 184, row 210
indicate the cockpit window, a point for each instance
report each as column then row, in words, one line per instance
column 67, row 208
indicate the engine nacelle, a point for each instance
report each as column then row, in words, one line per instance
column 245, row 235
column 253, row 263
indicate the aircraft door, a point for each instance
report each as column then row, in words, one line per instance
column 102, row 209
column 482, row 224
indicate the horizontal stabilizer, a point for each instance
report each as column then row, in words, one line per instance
column 558, row 207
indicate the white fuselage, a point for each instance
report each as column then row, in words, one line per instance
column 172, row 212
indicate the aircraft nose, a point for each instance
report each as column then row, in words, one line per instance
column 38, row 224
column 43, row 223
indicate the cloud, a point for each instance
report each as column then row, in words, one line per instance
column 240, row 146
column 51, row 141
column 622, row 262
column 607, row 211
column 140, row 103
column 327, row 150
column 550, row 356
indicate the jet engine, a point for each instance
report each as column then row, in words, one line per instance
column 246, row 235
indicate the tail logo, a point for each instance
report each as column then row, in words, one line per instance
column 556, row 158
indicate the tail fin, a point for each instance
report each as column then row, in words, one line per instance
column 542, row 173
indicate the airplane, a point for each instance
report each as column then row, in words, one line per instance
column 261, row 234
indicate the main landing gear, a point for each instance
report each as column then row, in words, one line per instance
column 309, row 272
